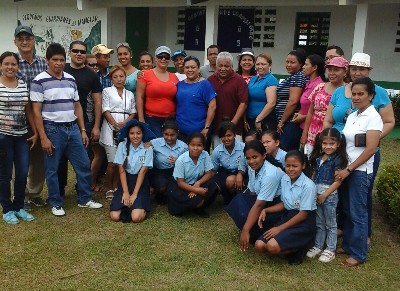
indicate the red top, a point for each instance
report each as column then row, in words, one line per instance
column 159, row 95
column 230, row 94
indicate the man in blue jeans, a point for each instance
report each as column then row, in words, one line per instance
column 60, row 124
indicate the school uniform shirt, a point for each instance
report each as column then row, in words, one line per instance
column 231, row 162
column 357, row 123
column 190, row 172
column 162, row 151
column 301, row 195
column 265, row 183
column 138, row 158
column 280, row 156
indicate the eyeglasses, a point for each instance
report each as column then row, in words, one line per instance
column 26, row 38
column 124, row 44
column 166, row 57
column 76, row 51
column 92, row 65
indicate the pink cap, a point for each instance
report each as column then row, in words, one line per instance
column 339, row 62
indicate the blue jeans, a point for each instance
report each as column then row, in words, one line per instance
column 377, row 160
column 67, row 141
column 355, row 229
column 155, row 124
column 290, row 138
column 326, row 223
column 14, row 151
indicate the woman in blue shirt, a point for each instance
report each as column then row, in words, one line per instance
column 262, row 97
column 131, row 200
column 166, row 150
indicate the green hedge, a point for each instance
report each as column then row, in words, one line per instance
column 396, row 107
column 388, row 191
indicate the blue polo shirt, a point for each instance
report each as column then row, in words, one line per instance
column 162, row 151
column 190, row 172
column 138, row 158
column 231, row 162
column 266, row 183
column 257, row 96
column 301, row 195
column 280, row 156
column 192, row 105
column 341, row 104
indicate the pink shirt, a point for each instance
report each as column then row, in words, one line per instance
column 304, row 102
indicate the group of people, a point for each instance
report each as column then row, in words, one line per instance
column 293, row 160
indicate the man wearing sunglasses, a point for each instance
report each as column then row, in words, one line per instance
column 30, row 65
column 102, row 54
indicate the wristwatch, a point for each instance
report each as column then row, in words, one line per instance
column 83, row 129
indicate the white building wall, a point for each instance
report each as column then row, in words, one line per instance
column 380, row 42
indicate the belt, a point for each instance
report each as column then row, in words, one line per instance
column 63, row 124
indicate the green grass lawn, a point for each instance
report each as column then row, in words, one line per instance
column 86, row 251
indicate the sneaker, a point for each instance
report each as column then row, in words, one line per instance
column 313, row 252
column 91, row 204
column 327, row 256
column 24, row 215
column 37, row 201
column 10, row 218
column 27, row 205
column 58, row 211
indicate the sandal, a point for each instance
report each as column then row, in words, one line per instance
column 110, row 194
column 97, row 189
column 350, row 262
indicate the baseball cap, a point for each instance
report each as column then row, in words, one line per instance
column 339, row 62
column 178, row 53
column 101, row 49
column 163, row 49
column 23, row 28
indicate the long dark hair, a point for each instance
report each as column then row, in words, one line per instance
column 317, row 60
column 341, row 150
column 128, row 142
column 259, row 147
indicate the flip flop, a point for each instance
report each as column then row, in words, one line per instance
column 97, row 189
column 109, row 194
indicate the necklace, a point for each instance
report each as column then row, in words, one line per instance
column 195, row 81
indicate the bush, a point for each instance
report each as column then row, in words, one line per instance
column 388, row 191
column 396, row 107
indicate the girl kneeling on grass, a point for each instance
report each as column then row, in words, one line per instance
column 229, row 162
column 166, row 150
column 294, row 230
column 328, row 156
column 264, row 181
column 131, row 201
column 191, row 188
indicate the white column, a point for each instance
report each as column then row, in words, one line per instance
column 360, row 28
column 211, row 26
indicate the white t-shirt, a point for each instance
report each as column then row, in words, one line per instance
column 180, row 76
column 361, row 123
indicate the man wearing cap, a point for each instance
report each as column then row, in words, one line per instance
column 178, row 58
column 207, row 70
column 30, row 65
column 232, row 95
column 102, row 54
column 59, row 119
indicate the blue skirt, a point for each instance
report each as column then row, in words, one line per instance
column 160, row 178
column 296, row 237
column 142, row 200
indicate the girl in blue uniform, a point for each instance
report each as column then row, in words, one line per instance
column 264, row 181
column 270, row 140
column 191, row 187
column 295, row 229
column 131, row 200
column 229, row 162
column 166, row 150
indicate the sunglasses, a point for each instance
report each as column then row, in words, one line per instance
column 123, row 44
column 76, row 51
column 92, row 65
column 167, row 57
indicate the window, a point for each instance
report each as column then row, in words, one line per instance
column 312, row 32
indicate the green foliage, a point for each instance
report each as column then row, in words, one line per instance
column 388, row 191
column 396, row 107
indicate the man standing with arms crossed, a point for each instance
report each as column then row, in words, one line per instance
column 59, row 121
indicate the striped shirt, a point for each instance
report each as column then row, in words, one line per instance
column 29, row 71
column 56, row 95
column 12, row 109
column 283, row 91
